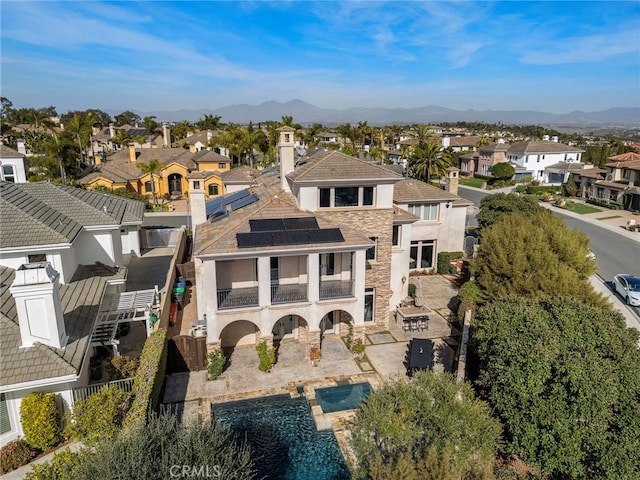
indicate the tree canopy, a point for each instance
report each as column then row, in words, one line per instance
column 535, row 256
column 562, row 376
column 429, row 417
column 493, row 207
column 503, row 171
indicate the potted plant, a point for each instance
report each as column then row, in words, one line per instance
column 314, row 355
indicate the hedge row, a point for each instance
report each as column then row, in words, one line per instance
column 606, row 204
column 15, row 454
column 539, row 189
column 444, row 267
column 148, row 380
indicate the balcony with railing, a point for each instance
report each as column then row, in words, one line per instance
column 289, row 293
column 336, row 289
column 237, row 297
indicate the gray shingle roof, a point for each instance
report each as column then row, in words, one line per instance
column 80, row 302
column 336, row 166
column 242, row 174
column 412, row 190
column 6, row 152
column 45, row 213
column 540, row 146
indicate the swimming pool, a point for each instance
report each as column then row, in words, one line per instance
column 342, row 397
column 283, row 436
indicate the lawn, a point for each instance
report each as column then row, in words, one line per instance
column 582, row 208
column 471, row 182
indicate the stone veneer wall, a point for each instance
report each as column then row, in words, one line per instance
column 374, row 223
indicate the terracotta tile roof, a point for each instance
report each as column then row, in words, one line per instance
column 43, row 213
column 625, row 157
column 336, row 166
column 591, row 172
column 631, row 164
column 80, row 302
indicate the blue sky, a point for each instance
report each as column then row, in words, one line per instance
column 149, row 56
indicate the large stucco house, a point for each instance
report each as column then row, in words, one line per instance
column 619, row 182
column 532, row 157
column 13, row 165
column 315, row 244
column 122, row 170
column 62, row 257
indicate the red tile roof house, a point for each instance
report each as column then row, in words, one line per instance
column 62, row 252
column 313, row 246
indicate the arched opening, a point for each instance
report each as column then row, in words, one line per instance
column 174, row 182
column 289, row 327
column 336, row 322
column 238, row 340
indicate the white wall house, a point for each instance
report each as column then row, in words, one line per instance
column 536, row 156
column 13, row 165
column 50, row 284
column 66, row 227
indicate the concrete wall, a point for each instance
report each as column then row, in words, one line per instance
column 99, row 246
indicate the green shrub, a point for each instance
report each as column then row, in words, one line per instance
column 540, row 189
column 62, row 466
column 40, row 420
column 267, row 356
column 606, row 204
column 148, row 381
column 215, row 364
column 358, row 346
column 470, row 296
column 444, row 267
column 16, row 454
column 412, row 290
column 122, row 367
column 99, row 416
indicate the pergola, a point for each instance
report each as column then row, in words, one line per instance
column 118, row 307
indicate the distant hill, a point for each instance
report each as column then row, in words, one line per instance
column 305, row 113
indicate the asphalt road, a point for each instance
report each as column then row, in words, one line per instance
column 615, row 253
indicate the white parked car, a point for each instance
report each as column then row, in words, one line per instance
column 628, row 287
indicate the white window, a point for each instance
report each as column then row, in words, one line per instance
column 196, row 184
column 395, row 236
column 421, row 254
column 428, row 211
column 369, row 310
column 222, row 165
column 8, row 174
column 327, row 264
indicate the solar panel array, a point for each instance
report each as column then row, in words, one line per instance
column 217, row 208
column 287, row 231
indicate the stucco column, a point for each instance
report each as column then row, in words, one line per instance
column 313, row 342
column 264, row 281
column 313, row 274
column 359, row 273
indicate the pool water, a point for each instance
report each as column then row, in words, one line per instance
column 342, row 397
column 284, row 439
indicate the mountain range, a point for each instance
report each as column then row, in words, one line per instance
column 305, row 113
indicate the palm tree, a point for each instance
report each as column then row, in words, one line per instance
column 152, row 168
column 426, row 160
column 209, row 122
column 150, row 125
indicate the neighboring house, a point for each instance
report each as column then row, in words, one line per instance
column 533, row 156
column 309, row 248
column 66, row 227
column 328, row 138
column 61, row 256
column 621, row 182
column 558, row 173
column 469, row 163
column 460, row 144
column 586, row 178
column 489, row 155
column 102, row 140
column 121, row 170
column 239, row 178
column 13, row 165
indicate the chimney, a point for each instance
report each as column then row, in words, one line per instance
column 22, row 148
column 166, row 134
column 545, row 138
column 132, row 153
column 286, row 148
column 554, row 139
column 36, row 291
column 112, row 130
column 197, row 202
column 451, row 184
